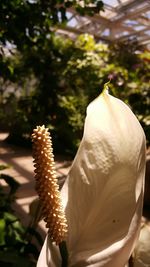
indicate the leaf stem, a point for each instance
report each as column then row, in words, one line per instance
column 64, row 253
column 131, row 261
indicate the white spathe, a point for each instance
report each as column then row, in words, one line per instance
column 103, row 193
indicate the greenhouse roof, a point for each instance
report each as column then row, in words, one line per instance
column 121, row 20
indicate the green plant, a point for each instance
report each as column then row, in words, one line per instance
column 16, row 247
column 66, row 76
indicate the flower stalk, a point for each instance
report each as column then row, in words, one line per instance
column 64, row 254
column 131, row 261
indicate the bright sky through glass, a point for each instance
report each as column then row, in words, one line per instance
column 111, row 2
column 118, row 21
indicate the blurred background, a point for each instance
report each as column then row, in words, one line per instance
column 55, row 57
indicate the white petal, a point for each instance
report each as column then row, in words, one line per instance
column 49, row 256
column 104, row 190
column 105, row 186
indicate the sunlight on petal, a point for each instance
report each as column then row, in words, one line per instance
column 103, row 193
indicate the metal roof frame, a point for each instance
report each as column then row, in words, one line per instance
column 121, row 20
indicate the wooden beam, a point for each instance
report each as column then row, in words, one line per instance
column 128, row 5
column 78, row 31
column 131, row 15
column 135, row 33
column 130, row 10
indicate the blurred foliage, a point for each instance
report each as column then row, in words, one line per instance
column 16, row 246
column 48, row 79
column 91, row 65
column 60, row 90
column 28, row 51
column 26, row 23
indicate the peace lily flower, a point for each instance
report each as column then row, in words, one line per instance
column 103, row 193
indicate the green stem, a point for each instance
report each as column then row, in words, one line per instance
column 131, row 261
column 64, row 253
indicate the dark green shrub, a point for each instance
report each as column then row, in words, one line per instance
column 16, row 247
